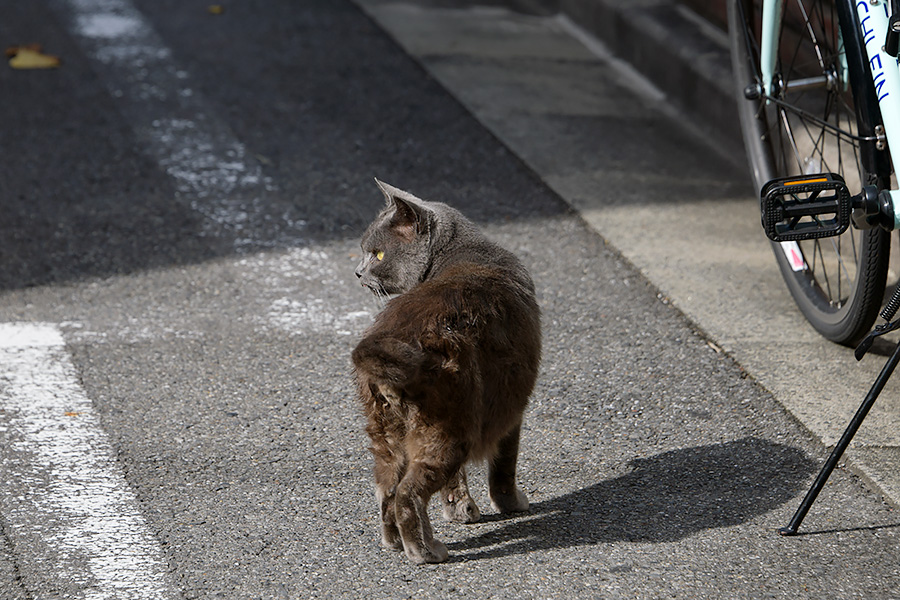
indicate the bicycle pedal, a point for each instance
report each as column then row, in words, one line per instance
column 806, row 207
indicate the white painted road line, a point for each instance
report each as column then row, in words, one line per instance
column 211, row 169
column 71, row 517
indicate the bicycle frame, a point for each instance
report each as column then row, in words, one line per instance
column 884, row 69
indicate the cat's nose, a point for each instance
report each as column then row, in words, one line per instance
column 361, row 267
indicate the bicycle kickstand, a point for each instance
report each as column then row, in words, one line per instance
column 887, row 314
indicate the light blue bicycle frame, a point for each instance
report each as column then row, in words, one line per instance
column 873, row 18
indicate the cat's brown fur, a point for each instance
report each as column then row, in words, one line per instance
column 445, row 372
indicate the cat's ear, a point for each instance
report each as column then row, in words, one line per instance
column 409, row 218
column 389, row 191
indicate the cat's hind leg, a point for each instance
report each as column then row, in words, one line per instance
column 457, row 503
column 504, row 493
column 390, row 535
column 424, row 477
column 387, row 475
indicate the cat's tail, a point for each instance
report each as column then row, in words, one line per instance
column 391, row 362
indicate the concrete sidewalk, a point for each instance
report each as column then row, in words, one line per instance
column 528, row 78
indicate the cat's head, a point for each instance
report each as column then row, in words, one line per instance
column 395, row 247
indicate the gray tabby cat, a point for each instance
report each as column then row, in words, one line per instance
column 445, row 372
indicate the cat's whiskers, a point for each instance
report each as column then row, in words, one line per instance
column 381, row 296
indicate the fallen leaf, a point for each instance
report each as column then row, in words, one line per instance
column 13, row 50
column 215, row 9
column 72, row 413
column 26, row 58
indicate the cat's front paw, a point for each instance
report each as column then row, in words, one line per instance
column 463, row 510
column 505, row 502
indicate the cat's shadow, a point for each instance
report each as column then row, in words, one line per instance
column 664, row 498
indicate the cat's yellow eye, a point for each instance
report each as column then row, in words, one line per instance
column 379, row 255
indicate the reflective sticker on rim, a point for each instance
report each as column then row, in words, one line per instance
column 794, row 255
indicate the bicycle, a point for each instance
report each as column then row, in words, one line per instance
column 809, row 100
column 818, row 88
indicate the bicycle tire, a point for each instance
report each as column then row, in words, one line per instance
column 838, row 283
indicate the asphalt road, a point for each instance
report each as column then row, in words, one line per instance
column 181, row 201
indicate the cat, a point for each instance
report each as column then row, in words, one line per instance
column 445, row 372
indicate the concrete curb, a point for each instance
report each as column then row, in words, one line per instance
column 684, row 56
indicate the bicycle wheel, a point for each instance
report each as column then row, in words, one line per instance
column 826, row 103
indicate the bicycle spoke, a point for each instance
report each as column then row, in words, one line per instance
column 789, row 132
column 812, row 35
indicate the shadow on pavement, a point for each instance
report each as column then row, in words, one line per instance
column 665, row 498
